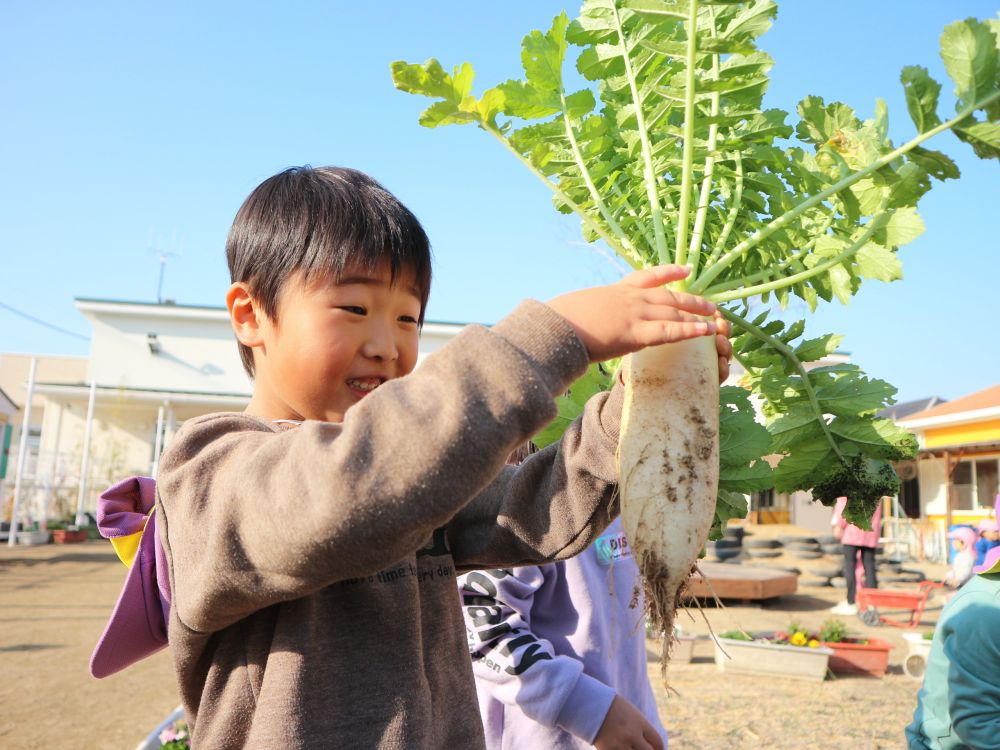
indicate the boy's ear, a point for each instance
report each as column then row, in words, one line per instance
column 244, row 315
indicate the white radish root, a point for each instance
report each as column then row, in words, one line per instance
column 668, row 464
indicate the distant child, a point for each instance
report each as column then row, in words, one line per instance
column 311, row 541
column 559, row 650
column 959, row 702
column 988, row 538
column 963, row 563
column 856, row 542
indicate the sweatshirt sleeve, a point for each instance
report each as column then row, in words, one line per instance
column 972, row 649
column 519, row 668
column 553, row 504
column 252, row 517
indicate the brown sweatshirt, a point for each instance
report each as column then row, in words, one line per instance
column 313, row 569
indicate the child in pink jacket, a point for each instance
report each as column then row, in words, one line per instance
column 855, row 541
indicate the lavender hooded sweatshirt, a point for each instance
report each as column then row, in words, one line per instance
column 552, row 645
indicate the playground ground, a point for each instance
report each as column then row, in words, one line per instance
column 55, row 599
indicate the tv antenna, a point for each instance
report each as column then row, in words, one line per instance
column 163, row 256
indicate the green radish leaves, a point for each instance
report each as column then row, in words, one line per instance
column 667, row 154
column 821, row 419
column 599, row 377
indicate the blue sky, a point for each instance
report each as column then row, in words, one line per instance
column 132, row 128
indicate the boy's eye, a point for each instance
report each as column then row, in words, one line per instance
column 357, row 310
column 408, row 319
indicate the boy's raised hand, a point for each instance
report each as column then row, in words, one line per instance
column 635, row 312
column 625, row 728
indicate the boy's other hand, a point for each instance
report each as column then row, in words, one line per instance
column 625, row 728
column 637, row 312
column 723, row 330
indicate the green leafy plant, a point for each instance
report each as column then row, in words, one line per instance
column 833, row 631
column 676, row 160
column 736, row 635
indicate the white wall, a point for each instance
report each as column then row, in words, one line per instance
column 933, row 490
column 195, row 354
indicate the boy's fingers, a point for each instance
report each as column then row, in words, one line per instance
column 722, row 344
column 656, row 276
column 653, row 738
column 681, row 300
column 673, row 315
column 663, row 332
column 725, row 328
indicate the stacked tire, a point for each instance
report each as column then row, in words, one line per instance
column 763, row 548
column 725, row 549
column 803, row 547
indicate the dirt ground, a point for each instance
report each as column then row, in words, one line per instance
column 55, row 599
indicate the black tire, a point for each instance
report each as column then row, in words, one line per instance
column 870, row 617
column 786, row 540
column 803, row 547
column 727, row 553
column 725, row 543
column 761, row 543
column 764, row 553
column 735, row 532
column 829, row 573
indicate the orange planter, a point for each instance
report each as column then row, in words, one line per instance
column 66, row 536
column 851, row 657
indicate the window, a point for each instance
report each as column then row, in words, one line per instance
column 986, row 482
column 975, row 483
column 909, row 497
column 34, row 442
column 762, row 500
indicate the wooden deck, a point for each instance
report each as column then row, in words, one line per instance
column 743, row 582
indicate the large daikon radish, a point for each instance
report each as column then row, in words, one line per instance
column 668, row 459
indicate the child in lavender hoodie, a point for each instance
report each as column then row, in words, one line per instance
column 556, row 647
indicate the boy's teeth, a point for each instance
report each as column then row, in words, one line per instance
column 365, row 385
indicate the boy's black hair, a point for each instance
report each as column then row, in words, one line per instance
column 323, row 222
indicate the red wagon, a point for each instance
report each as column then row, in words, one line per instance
column 869, row 601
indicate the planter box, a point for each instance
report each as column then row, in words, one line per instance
column 682, row 650
column 756, row 657
column 68, row 536
column 31, row 538
column 918, row 652
column 871, row 658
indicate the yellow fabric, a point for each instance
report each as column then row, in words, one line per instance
column 127, row 546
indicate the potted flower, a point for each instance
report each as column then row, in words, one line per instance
column 854, row 655
column 66, row 533
column 175, row 737
column 791, row 653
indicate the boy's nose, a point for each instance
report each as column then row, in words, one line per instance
column 381, row 344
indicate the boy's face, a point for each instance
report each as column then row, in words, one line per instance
column 334, row 343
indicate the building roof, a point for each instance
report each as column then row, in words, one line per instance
column 4, row 398
column 988, row 398
column 908, row 408
column 173, row 309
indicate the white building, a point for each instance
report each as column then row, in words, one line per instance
column 151, row 367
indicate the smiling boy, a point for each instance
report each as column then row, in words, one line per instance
column 312, row 540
